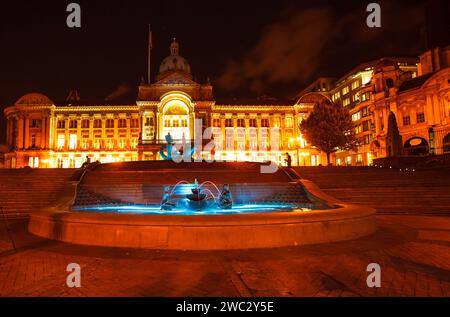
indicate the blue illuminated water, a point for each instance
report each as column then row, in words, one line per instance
column 156, row 209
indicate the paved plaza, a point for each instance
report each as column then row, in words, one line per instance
column 413, row 252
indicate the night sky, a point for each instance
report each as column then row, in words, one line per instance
column 247, row 48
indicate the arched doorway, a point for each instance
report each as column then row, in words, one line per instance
column 416, row 146
column 446, row 143
column 175, row 120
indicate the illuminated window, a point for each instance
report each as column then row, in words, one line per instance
column 134, row 143
column 33, row 161
column 109, row 144
column 122, row 123
column 346, row 102
column 97, row 143
column 289, row 122
column 355, row 84
column 253, row 138
column 97, row 124
column 345, row 90
column 420, row 117
column 85, row 124
column 122, row 143
column 73, row 141
column 110, row 123
column 85, row 143
column 356, row 116
column 184, row 123
column 61, row 141
column 241, row 139
column 348, row 160
column 358, row 129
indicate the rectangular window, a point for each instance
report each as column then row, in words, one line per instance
column 289, row 122
column 365, row 125
column 228, row 123
column 122, row 123
column 35, row 123
column 122, row 144
column 364, row 112
column 97, row 143
column 134, row 123
column 420, row 117
column 97, row 124
column 73, row 141
column 85, row 124
column 345, row 90
column 61, row 124
column 355, row 84
column 134, row 143
column 252, row 123
column 216, row 123
column 241, row 123
column 61, row 141
column 110, row 123
column 264, row 123
column 406, row 120
column 356, row 116
column 346, row 102
column 355, row 98
column 73, row 124
column 85, row 143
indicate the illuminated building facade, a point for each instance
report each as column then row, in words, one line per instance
column 42, row 133
column 417, row 91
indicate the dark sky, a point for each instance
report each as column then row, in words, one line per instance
column 248, row 48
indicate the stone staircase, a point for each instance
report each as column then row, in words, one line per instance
column 388, row 190
column 26, row 190
column 135, row 182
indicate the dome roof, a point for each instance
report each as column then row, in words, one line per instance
column 34, row 99
column 174, row 62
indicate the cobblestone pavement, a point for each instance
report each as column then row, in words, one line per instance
column 413, row 251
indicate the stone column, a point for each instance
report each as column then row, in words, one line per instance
column 20, row 133
column 27, row 133
column 43, row 141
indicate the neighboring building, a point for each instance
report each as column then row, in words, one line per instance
column 421, row 105
column 416, row 90
column 42, row 133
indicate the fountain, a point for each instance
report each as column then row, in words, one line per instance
column 168, row 205
column 199, row 199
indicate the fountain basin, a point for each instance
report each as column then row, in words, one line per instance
column 337, row 221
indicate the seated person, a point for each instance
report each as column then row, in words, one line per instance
column 225, row 198
column 166, row 203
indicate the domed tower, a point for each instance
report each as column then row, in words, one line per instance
column 174, row 63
